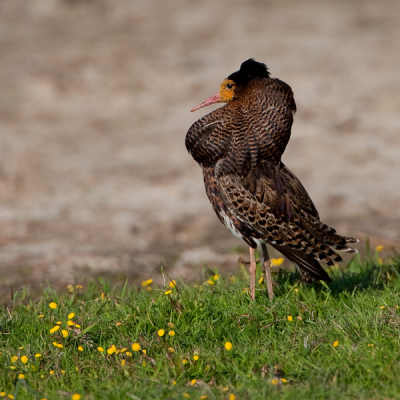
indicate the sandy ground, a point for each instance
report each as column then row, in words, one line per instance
column 94, row 107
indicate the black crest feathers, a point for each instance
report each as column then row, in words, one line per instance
column 250, row 69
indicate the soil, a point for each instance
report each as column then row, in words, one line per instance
column 94, row 107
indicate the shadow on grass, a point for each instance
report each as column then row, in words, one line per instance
column 357, row 275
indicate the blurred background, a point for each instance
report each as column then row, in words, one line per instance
column 95, row 97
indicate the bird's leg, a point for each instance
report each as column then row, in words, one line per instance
column 252, row 270
column 267, row 268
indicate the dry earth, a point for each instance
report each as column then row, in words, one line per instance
column 94, row 107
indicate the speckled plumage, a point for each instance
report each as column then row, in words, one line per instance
column 239, row 147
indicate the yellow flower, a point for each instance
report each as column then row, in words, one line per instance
column 228, row 345
column 40, row 315
column 169, row 291
column 382, row 307
column 124, row 350
column 78, row 286
column 147, row 283
column 71, row 323
column 100, row 349
column 51, row 372
column 129, row 354
column 195, row 357
column 136, row 347
column 283, row 380
column 161, row 332
column 63, row 371
column 171, row 350
column 10, row 396
column 77, row 326
column 173, row 383
column 171, row 333
column 64, row 333
column 38, row 355
column 232, row 396
column 53, row 305
column 71, row 315
column 187, row 395
column 103, row 295
column 4, row 393
column 274, row 381
column 204, row 397
column 290, row 318
column 21, row 376
column 144, row 363
column 14, row 358
column 58, row 322
column 379, row 248
column 12, row 367
column 371, row 345
column 215, row 277
column 112, row 350
column 210, row 282
column 184, row 362
column 172, row 284
column 70, row 288
column 56, row 328
column 19, row 348
column 76, row 396
column 80, row 348
column 123, row 362
column 193, row 382
column 296, row 290
column 24, row 359
column 144, row 351
column 260, row 281
column 336, row 343
column 59, row 345
column 277, row 261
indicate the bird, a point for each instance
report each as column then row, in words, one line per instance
column 239, row 147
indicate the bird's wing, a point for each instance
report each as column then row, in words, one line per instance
column 272, row 201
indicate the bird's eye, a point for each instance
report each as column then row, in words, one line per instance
column 229, row 86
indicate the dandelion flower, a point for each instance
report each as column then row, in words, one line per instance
column 14, row 358
column 379, row 248
column 124, row 350
column 195, row 357
column 187, row 395
column 260, row 281
column 228, row 346
column 215, row 277
column 77, row 326
column 70, row 288
column 76, row 396
column 290, row 318
column 54, row 329
column 296, row 290
column 172, row 284
column 210, row 282
column 274, row 381
column 123, row 362
column 51, row 372
column 169, row 291
column 21, row 376
column 100, row 349
column 232, row 396
column 38, row 355
column 129, row 354
column 184, row 362
column 80, row 348
column 64, row 333
column 171, row 350
column 193, row 382
column 171, row 333
column 143, row 363
column 147, row 283
column 71, row 315
column 382, row 307
column 161, row 332
column 53, row 305
column 144, row 351
column 204, row 397
column 78, row 286
column 40, row 315
column 58, row 322
column 136, row 347
column 59, row 345
column 336, row 343
column 277, row 261
column 24, row 359
column 283, row 380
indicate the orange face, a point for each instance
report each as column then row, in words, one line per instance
column 225, row 94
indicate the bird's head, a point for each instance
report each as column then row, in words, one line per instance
column 230, row 87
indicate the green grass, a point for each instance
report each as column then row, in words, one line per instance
column 271, row 356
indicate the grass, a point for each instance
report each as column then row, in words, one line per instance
column 336, row 341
